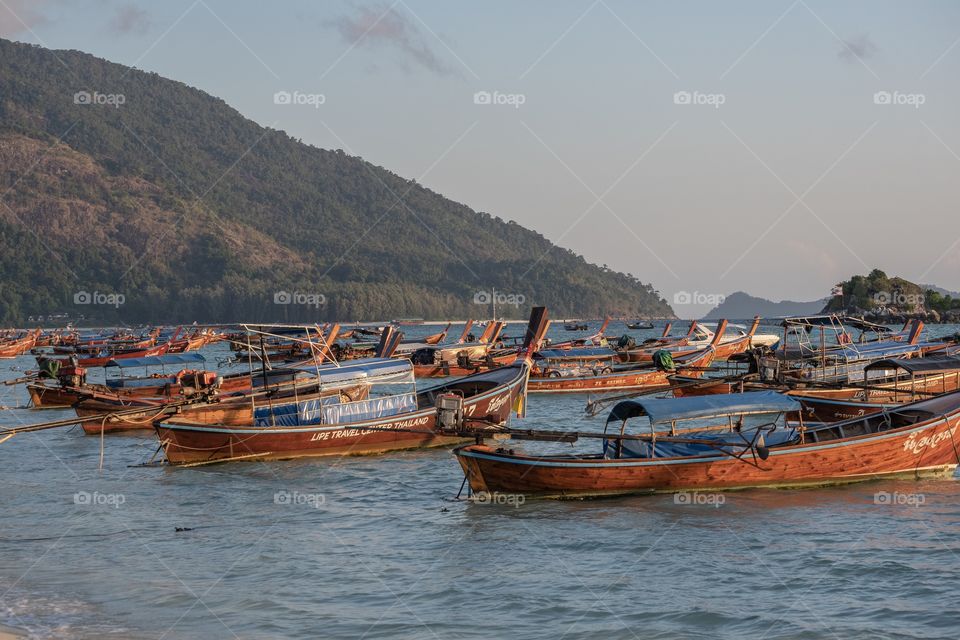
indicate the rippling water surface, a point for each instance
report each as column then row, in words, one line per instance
column 377, row 547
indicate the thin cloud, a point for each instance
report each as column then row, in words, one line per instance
column 130, row 19
column 17, row 16
column 859, row 48
column 384, row 27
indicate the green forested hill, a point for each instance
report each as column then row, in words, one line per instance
column 193, row 212
column 878, row 296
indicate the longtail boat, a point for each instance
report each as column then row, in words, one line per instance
column 667, row 340
column 64, row 385
column 459, row 358
column 197, row 340
column 437, row 338
column 378, row 424
column 755, row 440
column 466, row 365
column 362, row 348
column 298, row 345
column 724, row 348
column 17, row 346
column 611, row 378
column 626, row 345
column 888, row 383
column 179, row 387
column 232, row 399
column 808, row 336
column 845, row 361
column 104, row 356
column 596, row 339
column 703, row 333
column 106, row 413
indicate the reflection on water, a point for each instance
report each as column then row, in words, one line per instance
column 382, row 550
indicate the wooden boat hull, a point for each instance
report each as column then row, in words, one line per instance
column 616, row 381
column 911, row 451
column 685, row 385
column 17, row 348
column 44, row 396
column 682, row 347
column 113, row 424
column 101, row 361
column 228, row 385
column 888, row 392
column 182, row 447
column 835, row 410
column 189, row 442
column 603, row 383
column 723, row 350
column 52, row 397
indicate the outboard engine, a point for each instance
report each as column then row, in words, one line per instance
column 450, row 411
column 72, row 375
column 193, row 382
column 755, row 358
column 769, row 369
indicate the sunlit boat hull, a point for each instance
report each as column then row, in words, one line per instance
column 931, row 448
column 618, row 381
column 190, row 442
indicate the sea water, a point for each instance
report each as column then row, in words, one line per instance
column 377, row 547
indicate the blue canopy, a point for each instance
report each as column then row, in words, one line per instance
column 157, row 361
column 661, row 410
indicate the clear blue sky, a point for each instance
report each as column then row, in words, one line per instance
column 796, row 181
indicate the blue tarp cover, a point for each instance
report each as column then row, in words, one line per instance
column 661, row 410
column 331, row 411
column 369, row 409
column 117, row 383
column 737, row 443
column 293, row 414
column 157, row 361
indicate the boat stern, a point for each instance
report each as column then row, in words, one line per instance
column 471, row 467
